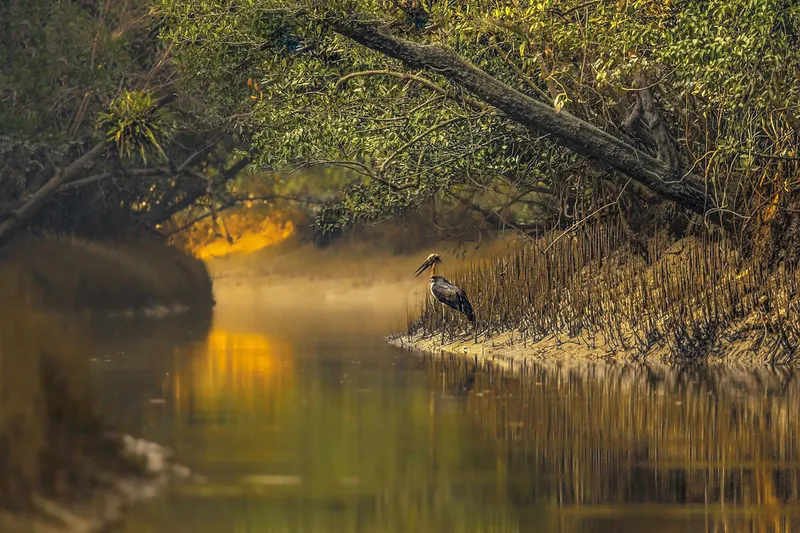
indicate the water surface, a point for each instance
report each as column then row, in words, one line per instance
column 305, row 420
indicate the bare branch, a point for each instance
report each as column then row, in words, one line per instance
column 234, row 202
column 415, row 140
column 21, row 214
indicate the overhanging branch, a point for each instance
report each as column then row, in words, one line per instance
column 577, row 135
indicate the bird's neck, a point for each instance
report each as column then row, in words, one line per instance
column 433, row 270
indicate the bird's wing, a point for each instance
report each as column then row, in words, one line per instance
column 466, row 307
column 450, row 295
column 445, row 292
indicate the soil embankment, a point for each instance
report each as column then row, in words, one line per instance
column 138, row 277
column 60, row 467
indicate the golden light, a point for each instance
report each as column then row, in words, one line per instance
column 248, row 236
column 244, row 368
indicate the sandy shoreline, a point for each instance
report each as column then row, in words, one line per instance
column 510, row 350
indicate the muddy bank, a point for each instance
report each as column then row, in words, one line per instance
column 512, row 349
column 125, row 278
column 506, row 350
column 598, row 295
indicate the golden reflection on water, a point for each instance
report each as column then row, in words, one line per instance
column 299, row 428
column 247, row 366
column 299, row 435
column 716, row 446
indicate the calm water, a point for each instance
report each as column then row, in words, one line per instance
column 307, row 421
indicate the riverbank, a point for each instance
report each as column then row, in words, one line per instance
column 144, row 277
column 63, row 468
column 594, row 295
column 511, row 350
column 597, row 295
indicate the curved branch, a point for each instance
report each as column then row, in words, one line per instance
column 576, row 135
column 415, row 140
column 406, row 76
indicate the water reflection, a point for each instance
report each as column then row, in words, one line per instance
column 613, row 442
column 311, row 433
column 309, row 422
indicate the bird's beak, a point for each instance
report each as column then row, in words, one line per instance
column 426, row 265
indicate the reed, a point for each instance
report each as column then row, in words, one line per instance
column 689, row 300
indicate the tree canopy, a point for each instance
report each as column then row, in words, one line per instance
column 523, row 114
column 557, row 108
column 93, row 137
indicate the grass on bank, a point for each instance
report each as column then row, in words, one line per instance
column 688, row 300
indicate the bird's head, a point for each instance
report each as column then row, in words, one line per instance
column 429, row 262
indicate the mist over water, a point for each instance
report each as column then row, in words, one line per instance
column 302, row 418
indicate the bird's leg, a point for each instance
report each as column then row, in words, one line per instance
column 443, row 324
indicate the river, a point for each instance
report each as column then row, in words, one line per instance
column 302, row 419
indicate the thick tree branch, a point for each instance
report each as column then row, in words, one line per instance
column 667, row 148
column 636, row 126
column 83, row 182
column 577, row 135
column 20, row 215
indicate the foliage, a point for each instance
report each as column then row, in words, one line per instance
column 78, row 75
column 724, row 73
column 406, row 141
column 132, row 124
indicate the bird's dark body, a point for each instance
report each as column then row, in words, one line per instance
column 452, row 296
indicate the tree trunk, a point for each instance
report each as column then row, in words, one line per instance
column 577, row 135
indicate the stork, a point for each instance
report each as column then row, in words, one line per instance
column 444, row 291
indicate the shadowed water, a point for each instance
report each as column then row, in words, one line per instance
column 306, row 421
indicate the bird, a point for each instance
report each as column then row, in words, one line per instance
column 444, row 291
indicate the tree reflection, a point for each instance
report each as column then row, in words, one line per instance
column 613, row 440
column 300, row 437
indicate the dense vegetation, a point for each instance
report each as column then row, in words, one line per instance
column 117, row 116
column 94, row 139
column 533, row 115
